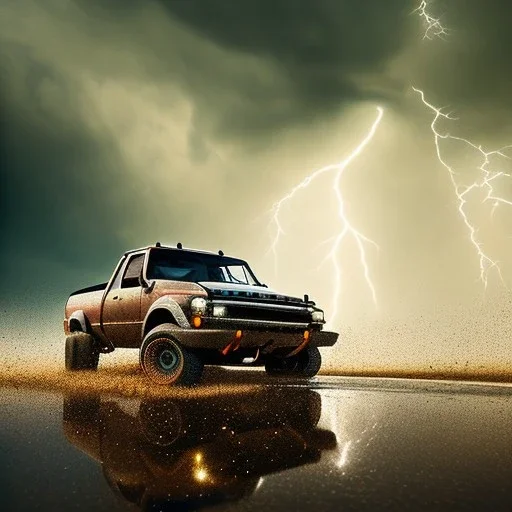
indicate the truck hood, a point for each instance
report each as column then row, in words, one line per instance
column 243, row 291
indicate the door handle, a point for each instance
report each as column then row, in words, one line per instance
column 116, row 297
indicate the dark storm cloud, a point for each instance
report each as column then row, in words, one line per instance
column 304, row 59
column 249, row 69
column 321, row 47
column 329, row 36
column 471, row 68
column 325, row 47
column 482, row 42
column 319, row 50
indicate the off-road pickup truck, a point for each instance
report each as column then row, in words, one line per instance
column 186, row 308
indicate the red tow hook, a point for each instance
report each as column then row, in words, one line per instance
column 232, row 345
column 302, row 346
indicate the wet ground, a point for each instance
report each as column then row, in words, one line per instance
column 110, row 441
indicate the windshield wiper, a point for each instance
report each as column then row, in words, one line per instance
column 233, row 277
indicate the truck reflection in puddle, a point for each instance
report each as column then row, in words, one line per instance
column 198, row 451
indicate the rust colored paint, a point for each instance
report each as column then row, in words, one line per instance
column 90, row 303
column 122, row 316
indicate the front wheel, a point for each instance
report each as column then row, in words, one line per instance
column 305, row 364
column 166, row 362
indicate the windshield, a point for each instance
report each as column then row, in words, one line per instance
column 195, row 267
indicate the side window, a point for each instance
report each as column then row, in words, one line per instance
column 131, row 276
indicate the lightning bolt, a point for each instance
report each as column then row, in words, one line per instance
column 485, row 182
column 347, row 229
column 433, row 26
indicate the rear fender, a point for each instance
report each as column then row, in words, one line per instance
column 78, row 318
column 79, row 322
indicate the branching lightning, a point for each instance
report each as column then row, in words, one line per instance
column 347, row 229
column 484, row 182
column 433, row 26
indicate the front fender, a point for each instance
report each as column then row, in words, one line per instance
column 168, row 304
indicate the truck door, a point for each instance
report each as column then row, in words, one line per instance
column 122, row 320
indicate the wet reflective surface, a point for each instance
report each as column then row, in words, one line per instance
column 215, row 449
column 339, row 444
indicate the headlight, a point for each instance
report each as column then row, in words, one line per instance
column 317, row 316
column 220, row 311
column 198, row 306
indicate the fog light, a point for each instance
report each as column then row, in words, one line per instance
column 197, row 321
column 220, row 311
column 317, row 316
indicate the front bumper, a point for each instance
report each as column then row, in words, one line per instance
column 219, row 338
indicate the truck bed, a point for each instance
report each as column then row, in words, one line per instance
column 95, row 288
column 87, row 300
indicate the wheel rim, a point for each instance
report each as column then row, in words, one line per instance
column 168, row 360
column 162, row 361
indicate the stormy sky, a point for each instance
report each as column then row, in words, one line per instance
column 128, row 122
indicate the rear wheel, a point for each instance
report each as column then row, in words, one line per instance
column 81, row 352
column 305, row 364
column 166, row 362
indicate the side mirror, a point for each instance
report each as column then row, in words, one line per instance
column 147, row 287
column 143, row 283
column 150, row 287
